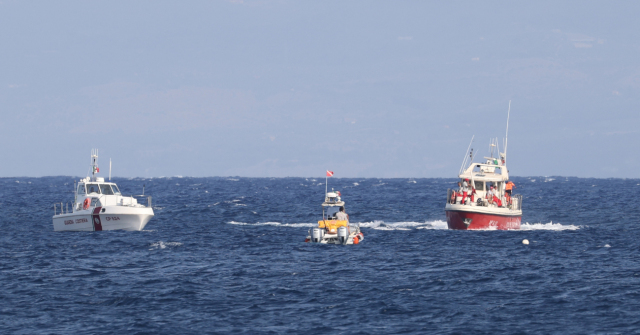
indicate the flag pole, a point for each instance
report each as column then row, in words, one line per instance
column 326, row 180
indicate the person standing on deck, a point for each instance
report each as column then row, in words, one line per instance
column 508, row 187
column 341, row 215
column 465, row 191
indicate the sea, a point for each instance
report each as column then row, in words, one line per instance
column 227, row 256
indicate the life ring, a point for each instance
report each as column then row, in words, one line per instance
column 86, row 204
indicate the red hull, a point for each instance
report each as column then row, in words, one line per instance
column 456, row 220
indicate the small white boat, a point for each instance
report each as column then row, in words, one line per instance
column 99, row 205
column 330, row 230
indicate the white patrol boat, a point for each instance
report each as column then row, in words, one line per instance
column 330, row 230
column 99, row 205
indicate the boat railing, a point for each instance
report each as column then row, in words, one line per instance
column 64, row 208
column 516, row 202
column 144, row 200
column 515, row 205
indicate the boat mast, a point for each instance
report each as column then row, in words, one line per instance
column 464, row 160
column 326, row 180
column 94, row 164
column 506, row 138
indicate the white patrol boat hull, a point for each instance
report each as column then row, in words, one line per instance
column 104, row 218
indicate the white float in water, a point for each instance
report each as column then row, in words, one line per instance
column 525, row 242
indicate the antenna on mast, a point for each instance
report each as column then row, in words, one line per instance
column 109, row 169
column 464, row 160
column 506, row 138
column 94, row 164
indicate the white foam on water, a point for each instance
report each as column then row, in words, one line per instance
column 437, row 224
column 164, row 245
column 276, row 224
column 381, row 225
column 356, row 184
column 547, row 226
column 377, row 225
column 410, row 225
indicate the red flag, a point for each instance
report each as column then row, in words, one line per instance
column 329, row 173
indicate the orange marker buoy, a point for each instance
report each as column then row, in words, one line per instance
column 356, row 240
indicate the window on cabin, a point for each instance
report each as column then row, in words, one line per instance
column 332, row 211
column 80, row 188
column 115, row 189
column 479, row 186
column 106, row 189
column 93, row 189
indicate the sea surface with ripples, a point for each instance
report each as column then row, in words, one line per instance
column 227, row 255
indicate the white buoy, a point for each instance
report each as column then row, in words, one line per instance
column 525, row 242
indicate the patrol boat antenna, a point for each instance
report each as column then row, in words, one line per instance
column 94, row 164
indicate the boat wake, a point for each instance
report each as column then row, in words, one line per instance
column 377, row 225
column 434, row 225
column 547, row 226
column 381, row 225
column 278, row 224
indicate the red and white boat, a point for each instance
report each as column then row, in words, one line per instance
column 99, row 205
column 475, row 205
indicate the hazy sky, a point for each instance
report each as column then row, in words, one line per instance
column 292, row 88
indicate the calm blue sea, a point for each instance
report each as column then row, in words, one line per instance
column 227, row 255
